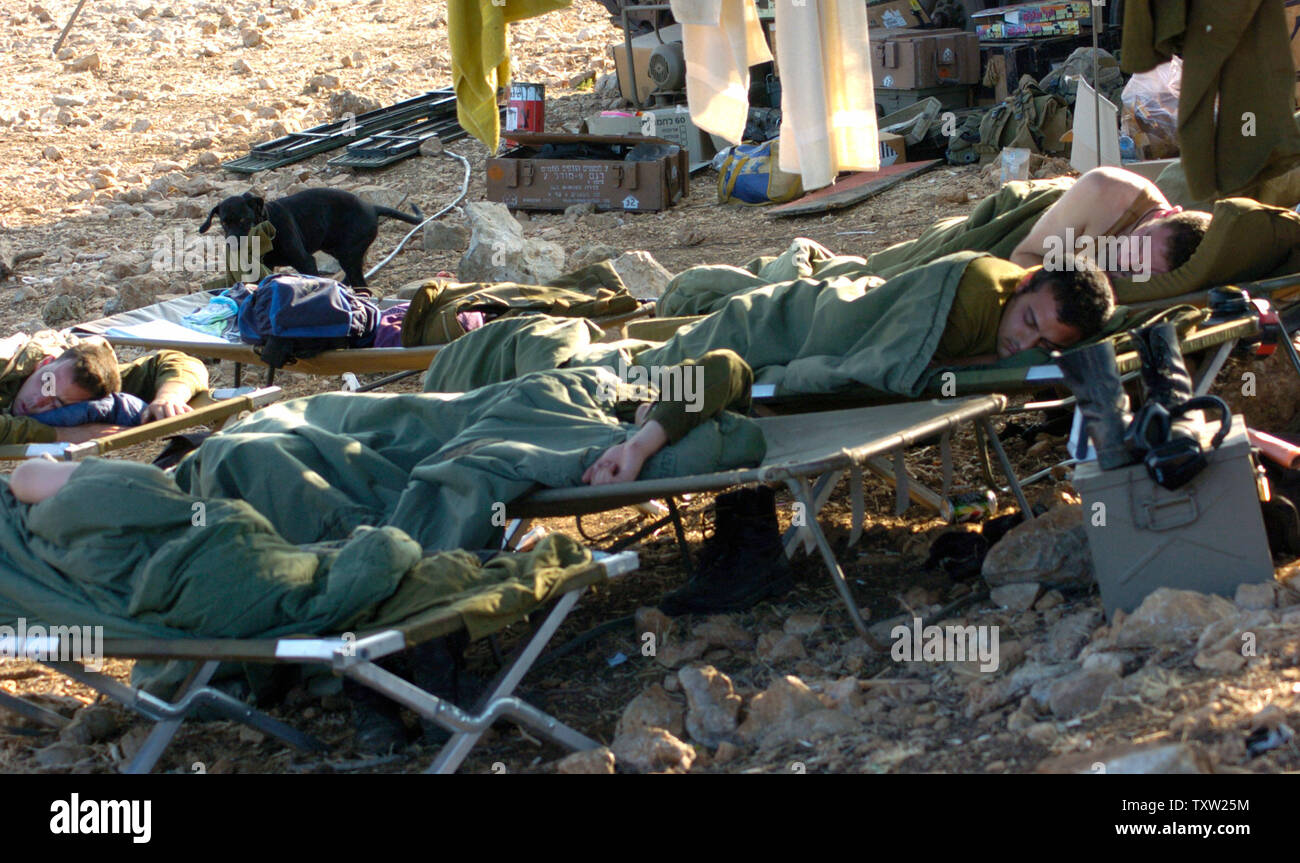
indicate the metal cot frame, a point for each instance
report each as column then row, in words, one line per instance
column 355, row 658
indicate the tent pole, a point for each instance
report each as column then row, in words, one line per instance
column 1096, row 83
column 66, row 27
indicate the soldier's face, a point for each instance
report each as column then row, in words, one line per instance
column 49, row 387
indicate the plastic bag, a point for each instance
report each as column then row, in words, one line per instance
column 1150, row 112
column 1015, row 164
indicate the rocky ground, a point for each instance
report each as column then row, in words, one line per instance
column 110, row 148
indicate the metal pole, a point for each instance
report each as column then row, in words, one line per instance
column 66, row 27
column 1096, row 81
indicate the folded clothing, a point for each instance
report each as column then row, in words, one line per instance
column 119, row 409
column 388, row 332
column 217, row 318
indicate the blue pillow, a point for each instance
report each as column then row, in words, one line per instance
column 119, row 409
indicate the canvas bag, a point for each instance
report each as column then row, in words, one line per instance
column 750, row 175
column 290, row 316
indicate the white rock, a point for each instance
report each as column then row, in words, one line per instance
column 652, row 750
column 787, row 699
column 441, row 236
column 1080, row 692
column 1170, row 616
column 712, row 705
column 1016, row 597
column 498, row 251
column 591, row 761
column 326, row 265
column 1254, row 597
column 645, row 277
column 1175, row 758
column 651, row 708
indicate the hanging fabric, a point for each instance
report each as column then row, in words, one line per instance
column 721, row 39
column 828, row 106
column 480, row 58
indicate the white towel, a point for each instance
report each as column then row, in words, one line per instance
column 828, row 106
column 721, row 39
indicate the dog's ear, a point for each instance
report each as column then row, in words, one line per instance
column 208, row 222
column 258, row 206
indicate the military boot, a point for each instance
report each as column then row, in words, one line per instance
column 1093, row 377
column 726, row 519
column 752, row 567
column 438, row 667
column 377, row 726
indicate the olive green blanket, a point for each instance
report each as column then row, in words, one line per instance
column 997, row 225
column 329, row 513
column 804, row 335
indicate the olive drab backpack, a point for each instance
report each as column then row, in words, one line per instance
column 1029, row 118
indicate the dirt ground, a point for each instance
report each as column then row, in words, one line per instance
column 118, row 143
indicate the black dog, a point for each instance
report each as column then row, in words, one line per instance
column 329, row 220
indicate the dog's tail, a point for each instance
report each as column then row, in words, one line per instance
column 398, row 214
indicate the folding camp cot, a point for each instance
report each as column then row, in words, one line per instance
column 354, row 655
column 159, row 327
column 1220, row 336
column 207, row 411
column 809, row 453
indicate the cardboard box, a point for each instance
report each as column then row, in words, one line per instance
column 520, row 180
column 672, row 124
column 1039, row 29
column 916, row 59
column 893, row 149
column 642, row 47
column 1032, row 20
column 1207, row 536
column 1033, row 13
column 895, row 14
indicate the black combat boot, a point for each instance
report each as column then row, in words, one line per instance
column 376, row 721
column 1163, row 371
column 1166, row 433
column 437, row 667
column 750, row 568
column 726, row 521
column 1093, row 377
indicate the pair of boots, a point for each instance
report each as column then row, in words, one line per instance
column 742, row 563
column 1161, row 434
column 437, row 666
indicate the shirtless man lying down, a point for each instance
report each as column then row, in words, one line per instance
column 1118, row 219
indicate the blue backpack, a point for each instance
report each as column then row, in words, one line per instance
column 290, row 316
